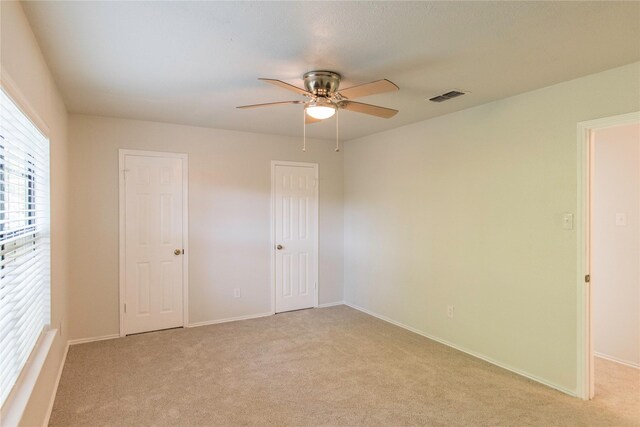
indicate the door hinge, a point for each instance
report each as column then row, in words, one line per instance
column 125, row 308
column 587, row 278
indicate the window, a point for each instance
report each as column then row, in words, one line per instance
column 24, row 240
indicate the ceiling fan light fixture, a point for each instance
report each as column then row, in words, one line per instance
column 320, row 109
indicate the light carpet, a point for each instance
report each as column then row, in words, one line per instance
column 333, row 367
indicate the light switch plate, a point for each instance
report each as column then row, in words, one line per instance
column 621, row 219
column 567, row 221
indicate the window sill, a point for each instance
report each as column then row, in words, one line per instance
column 14, row 407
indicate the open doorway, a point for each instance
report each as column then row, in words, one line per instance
column 615, row 261
column 610, row 259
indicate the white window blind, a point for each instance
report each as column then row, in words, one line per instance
column 24, row 240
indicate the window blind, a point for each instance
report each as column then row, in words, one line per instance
column 24, row 240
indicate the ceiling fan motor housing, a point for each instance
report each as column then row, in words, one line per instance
column 321, row 83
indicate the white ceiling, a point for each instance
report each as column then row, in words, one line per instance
column 193, row 62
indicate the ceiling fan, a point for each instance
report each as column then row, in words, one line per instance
column 321, row 89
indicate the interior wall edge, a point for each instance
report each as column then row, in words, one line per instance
column 331, row 304
column 93, row 339
column 198, row 324
column 477, row 355
column 616, row 360
column 229, row 319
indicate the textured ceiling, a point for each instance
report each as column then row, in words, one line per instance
column 193, row 62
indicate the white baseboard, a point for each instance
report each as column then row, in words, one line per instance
column 330, row 304
column 228, row 319
column 92, row 339
column 616, row 360
column 251, row 316
column 464, row 350
column 55, row 387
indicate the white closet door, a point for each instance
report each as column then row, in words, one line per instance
column 295, row 203
column 154, row 243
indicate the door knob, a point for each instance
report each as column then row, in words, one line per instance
column 177, row 252
column 279, row 247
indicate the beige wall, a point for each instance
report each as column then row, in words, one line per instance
column 615, row 250
column 229, row 216
column 465, row 209
column 24, row 65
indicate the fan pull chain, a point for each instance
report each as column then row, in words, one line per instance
column 337, row 140
column 304, row 131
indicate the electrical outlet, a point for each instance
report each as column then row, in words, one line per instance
column 450, row 311
column 236, row 293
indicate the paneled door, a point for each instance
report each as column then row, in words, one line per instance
column 153, row 242
column 295, row 205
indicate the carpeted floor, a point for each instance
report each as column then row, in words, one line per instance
column 332, row 366
column 617, row 388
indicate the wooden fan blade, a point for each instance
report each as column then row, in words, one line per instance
column 309, row 120
column 373, row 110
column 268, row 104
column 379, row 86
column 287, row 86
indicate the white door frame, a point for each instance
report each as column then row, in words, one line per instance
column 275, row 163
column 185, row 227
column 585, row 376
